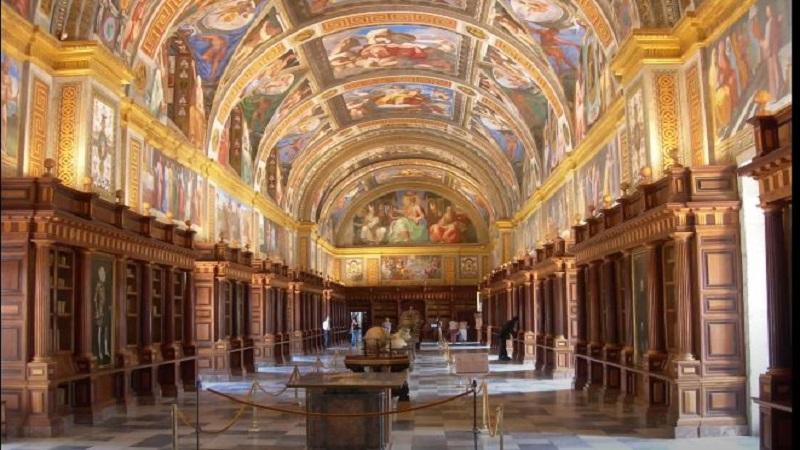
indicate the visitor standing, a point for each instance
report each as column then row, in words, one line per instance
column 387, row 325
column 326, row 331
column 452, row 327
column 355, row 332
column 505, row 334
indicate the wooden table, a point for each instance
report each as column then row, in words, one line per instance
column 390, row 362
column 348, row 393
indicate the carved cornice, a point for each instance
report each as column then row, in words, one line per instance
column 678, row 44
column 69, row 230
column 65, row 59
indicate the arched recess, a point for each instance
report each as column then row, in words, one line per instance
column 321, row 173
column 410, row 170
column 481, row 227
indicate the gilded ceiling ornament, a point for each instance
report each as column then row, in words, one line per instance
column 303, row 35
column 466, row 91
column 477, row 32
column 328, row 94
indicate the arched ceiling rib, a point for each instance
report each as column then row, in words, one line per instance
column 375, row 146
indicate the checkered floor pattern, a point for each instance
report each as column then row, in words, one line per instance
column 539, row 415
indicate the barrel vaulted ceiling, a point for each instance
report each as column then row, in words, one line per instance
column 336, row 99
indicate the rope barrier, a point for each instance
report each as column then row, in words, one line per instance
column 493, row 426
column 236, row 417
column 314, row 414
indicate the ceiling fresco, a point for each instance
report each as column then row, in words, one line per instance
column 311, row 102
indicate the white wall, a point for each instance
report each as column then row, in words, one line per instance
column 755, row 292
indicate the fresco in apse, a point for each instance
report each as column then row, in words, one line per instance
column 399, row 98
column 9, row 106
column 213, row 29
column 402, row 268
column 363, row 50
column 409, row 218
column 750, row 64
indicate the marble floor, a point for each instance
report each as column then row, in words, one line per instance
column 539, row 415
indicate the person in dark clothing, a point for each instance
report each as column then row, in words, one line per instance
column 505, row 334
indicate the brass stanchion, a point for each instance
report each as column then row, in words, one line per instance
column 254, row 423
column 174, row 426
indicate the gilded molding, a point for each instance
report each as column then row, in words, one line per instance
column 624, row 156
column 449, row 269
column 134, row 159
column 667, row 104
column 40, row 97
column 67, row 134
column 373, row 271
column 28, row 42
column 695, row 99
column 677, row 44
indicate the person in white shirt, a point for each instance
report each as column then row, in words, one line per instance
column 326, row 331
column 453, row 328
column 387, row 325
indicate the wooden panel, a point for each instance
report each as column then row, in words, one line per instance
column 719, row 267
column 12, row 399
column 11, row 344
column 723, row 402
column 11, row 276
column 203, row 295
column 723, row 338
column 721, row 304
column 203, row 331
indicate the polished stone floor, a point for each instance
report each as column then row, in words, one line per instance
column 539, row 415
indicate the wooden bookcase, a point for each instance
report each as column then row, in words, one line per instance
column 664, row 262
column 157, row 304
column 133, row 295
column 62, row 356
column 63, row 278
column 223, row 277
column 772, row 168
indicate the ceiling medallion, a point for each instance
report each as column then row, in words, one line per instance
column 477, row 32
column 303, row 35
